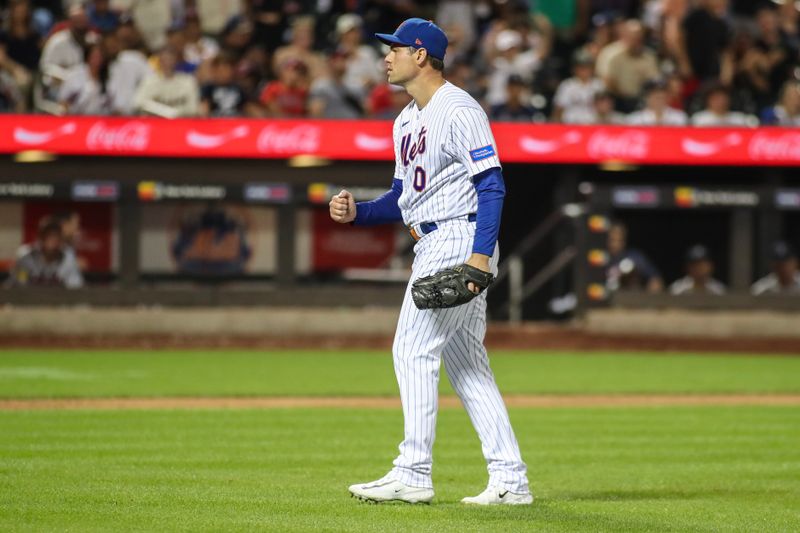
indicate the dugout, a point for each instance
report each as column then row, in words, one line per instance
column 285, row 171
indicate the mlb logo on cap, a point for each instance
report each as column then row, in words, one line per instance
column 418, row 33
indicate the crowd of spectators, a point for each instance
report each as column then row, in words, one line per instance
column 667, row 62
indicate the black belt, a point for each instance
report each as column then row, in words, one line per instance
column 427, row 227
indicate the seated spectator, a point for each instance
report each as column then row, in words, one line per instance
column 45, row 263
column 127, row 69
column 101, row 16
column 631, row 67
column 387, row 101
column 656, row 111
column 300, row 48
column 288, row 95
column 223, row 97
column 717, row 111
column 629, row 268
column 787, row 112
column 12, row 80
column 168, row 93
column 199, row 49
column 785, row 277
column 514, row 109
column 20, row 37
column 601, row 112
column 364, row 67
column 606, row 41
column 576, row 94
column 699, row 271
column 512, row 58
column 63, row 51
column 331, row 97
column 85, row 91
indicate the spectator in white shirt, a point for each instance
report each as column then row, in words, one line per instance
column 168, row 93
column 199, row 49
column 364, row 67
column 717, row 111
column 699, row 272
column 657, row 112
column 63, row 51
column 511, row 59
column 128, row 68
column 576, row 94
column 85, row 91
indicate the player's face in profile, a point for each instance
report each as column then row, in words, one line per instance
column 400, row 64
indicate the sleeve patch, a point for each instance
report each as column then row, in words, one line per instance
column 481, row 153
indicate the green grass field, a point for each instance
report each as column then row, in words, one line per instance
column 592, row 469
column 31, row 374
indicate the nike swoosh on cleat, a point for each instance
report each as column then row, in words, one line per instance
column 397, row 490
column 404, row 123
column 503, row 495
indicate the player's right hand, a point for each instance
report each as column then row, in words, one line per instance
column 343, row 207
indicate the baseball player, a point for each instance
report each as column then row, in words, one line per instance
column 448, row 190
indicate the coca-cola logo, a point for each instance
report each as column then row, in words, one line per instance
column 302, row 139
column 706, row 148
column 35, row 138
column 629, row 144
column 767, row 146
column 128, row 137
column 201, row 140
column 371, row 143
column 535, row 145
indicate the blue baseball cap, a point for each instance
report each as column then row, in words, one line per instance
column 418, row 33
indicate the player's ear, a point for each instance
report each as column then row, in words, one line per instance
column 421, row 56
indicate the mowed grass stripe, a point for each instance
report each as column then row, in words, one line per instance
column 667, row 469
column 60, row 374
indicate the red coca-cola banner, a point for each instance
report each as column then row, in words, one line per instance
column 372, row 140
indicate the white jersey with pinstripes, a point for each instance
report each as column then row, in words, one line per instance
column 438, row 149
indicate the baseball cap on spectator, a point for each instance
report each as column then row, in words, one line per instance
column 781, row 251
column 696, row 253
column 582, row 57
column 347, row 22
column 418, row 33
column 507, row 39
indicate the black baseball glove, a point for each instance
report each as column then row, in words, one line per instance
column 448, row 288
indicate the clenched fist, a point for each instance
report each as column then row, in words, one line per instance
column 343, row 207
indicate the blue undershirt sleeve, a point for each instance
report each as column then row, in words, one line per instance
column 381, row 210
column 491, row 191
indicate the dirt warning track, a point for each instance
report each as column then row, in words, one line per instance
column 382, row 402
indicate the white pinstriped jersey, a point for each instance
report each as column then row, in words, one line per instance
column 437, row 151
